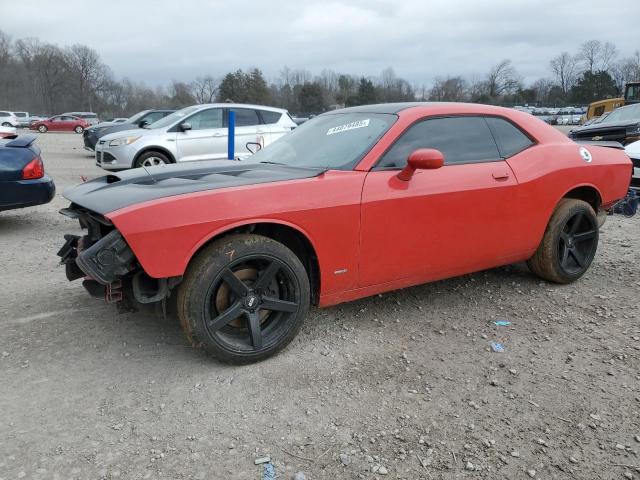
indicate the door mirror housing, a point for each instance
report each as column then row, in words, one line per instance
column 143, row 123
column 421, row 159
column 185, row 126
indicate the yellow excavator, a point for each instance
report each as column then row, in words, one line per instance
column 597, row 109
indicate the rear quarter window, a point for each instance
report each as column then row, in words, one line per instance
column 510, row 139
column 269, row 116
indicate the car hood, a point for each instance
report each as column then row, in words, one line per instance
column 113, row 192
column 123, row 130
column 596, row 127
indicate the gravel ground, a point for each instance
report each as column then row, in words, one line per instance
column 402, row 385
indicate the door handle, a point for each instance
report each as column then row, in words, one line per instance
column 217, row 134
column 500, row 175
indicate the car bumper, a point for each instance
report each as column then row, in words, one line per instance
column 26, row 193
column 114, row 158
column 90, row 141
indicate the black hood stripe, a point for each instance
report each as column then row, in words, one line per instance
column 113, row 192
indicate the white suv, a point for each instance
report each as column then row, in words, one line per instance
column 193, row 133
column 9, row 119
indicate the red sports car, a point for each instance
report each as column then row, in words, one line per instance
column 352, row 203
column 61, row 123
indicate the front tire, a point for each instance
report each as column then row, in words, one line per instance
column 152, row 159
column 78, row 129
column 7, row 124
column 42, row 129
column 569, row 243
column 243, row 298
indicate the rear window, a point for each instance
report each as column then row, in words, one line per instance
column 510, row 139
column 269, row 116
column 245, row 117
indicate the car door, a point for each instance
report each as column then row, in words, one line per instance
column 205, row 140
column 56, row 124
column 443, row 222
column 249, row 129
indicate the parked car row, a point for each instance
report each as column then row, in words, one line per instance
column 557, row 116
column 24, row 120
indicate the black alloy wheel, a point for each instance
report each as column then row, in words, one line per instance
column 250, row 302
column 577, row 243
column 569, row 243
column 243, row 298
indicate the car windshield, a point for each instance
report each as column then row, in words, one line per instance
column 623, row 114
column 136, row 118
column 336, row 141
column 174, row 117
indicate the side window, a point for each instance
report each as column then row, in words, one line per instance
column 460, row 139
column 270, row 117
column 153, row 117
column 4, row 114
column 246, row 117
column 510, row 139
column 206, row 119
column 598, row 111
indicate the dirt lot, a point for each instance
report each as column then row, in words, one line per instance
column 402, row 385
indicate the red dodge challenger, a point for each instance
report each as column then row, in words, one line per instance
column 352, row 203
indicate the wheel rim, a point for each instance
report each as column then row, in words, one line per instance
column 577, row 243
column 249, row 305
column 153, row 161
column 78, row 129
column 42, row 129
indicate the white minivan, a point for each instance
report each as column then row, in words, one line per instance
column 193, row 133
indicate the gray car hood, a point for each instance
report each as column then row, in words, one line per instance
column 113, row 192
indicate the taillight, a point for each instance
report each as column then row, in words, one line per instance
column 34, row 169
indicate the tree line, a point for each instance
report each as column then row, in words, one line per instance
column 43, row 78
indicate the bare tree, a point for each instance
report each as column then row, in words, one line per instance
column 205, row 89
column 542, row 87
column 589, row 53
column 448, row 89
column 564, row 67
column 608, row 54
column 502, row 79
column 88, row 70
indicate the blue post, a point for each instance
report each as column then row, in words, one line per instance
column 231, row 137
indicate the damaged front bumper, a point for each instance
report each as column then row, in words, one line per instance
column 107, row 264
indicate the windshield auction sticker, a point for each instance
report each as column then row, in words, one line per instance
column 348, row 126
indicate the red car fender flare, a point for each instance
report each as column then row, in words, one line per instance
column 243, row 223
column 575, row 187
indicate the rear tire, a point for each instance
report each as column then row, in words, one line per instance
column 569, row 243
column 151, row 159
column 42, row 129
column 243, row 298
column 7, row 124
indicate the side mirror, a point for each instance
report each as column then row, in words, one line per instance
column 143, row 123
column 421, row 159
column 185, row 126
column 253, row 147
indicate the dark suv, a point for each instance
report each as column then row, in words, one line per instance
column 139, row 120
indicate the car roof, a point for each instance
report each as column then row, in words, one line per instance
column 241, row 105
column 395, row 108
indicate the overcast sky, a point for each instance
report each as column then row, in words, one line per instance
column 157, row 41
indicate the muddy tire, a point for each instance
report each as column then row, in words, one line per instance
column 243, row 298
column 569, row 243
